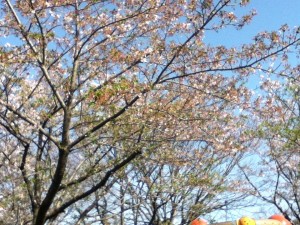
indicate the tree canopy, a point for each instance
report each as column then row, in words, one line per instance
column 120, row 111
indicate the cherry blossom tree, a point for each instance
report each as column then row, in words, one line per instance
column 173, row 187
column 89, row 87
column 277, row 179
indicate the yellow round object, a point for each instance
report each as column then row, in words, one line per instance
column 246, row 221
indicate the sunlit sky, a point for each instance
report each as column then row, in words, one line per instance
column 271, row 14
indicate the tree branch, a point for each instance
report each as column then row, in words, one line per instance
column 96, row 187
column 103, row 123
column 54, row 187
column 30, row 121
column 40, row 62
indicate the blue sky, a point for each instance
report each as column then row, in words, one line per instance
column 271, row 14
